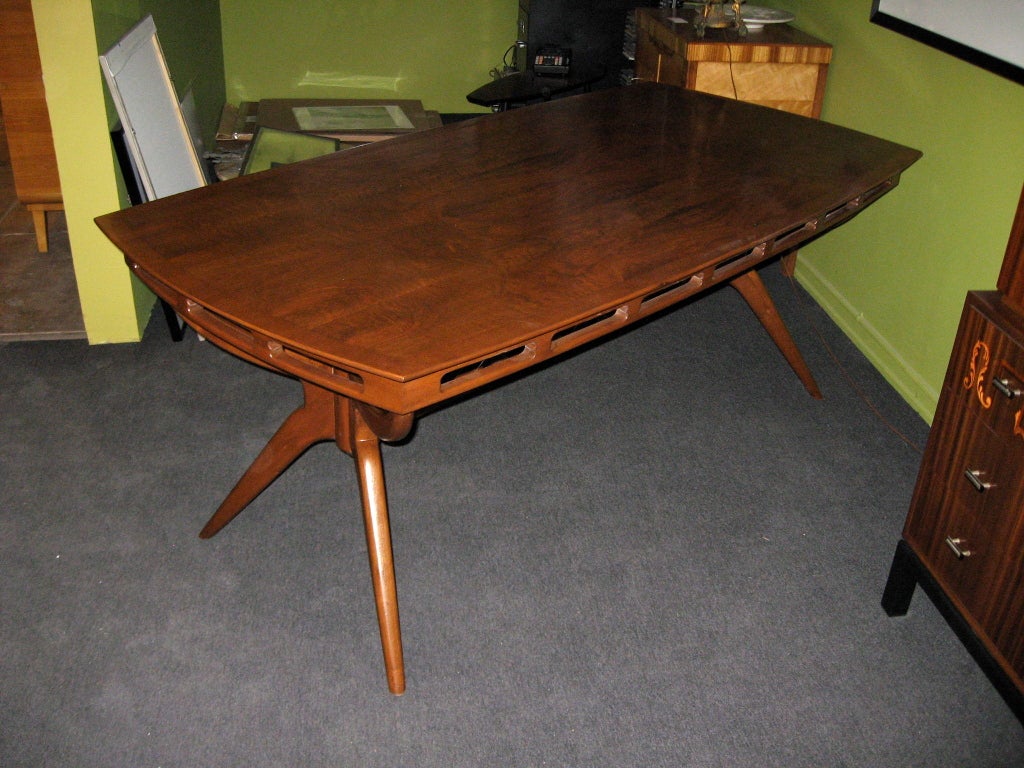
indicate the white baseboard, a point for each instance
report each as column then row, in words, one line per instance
column 911, row 386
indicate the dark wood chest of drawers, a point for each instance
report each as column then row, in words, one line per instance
column 964, row 535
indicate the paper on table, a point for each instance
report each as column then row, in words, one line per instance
column 370, row 117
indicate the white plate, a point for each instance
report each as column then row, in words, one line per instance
column 756, row 17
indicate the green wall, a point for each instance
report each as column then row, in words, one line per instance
column 895, row 276
column 71, row 35
column 436, row 51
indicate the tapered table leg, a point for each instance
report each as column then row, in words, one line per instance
column 370, row 469
column 313, row 422
column 753, row 290
column 325, row 415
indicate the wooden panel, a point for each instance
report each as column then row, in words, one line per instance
column 27, row 125
column 647, row 61
column 19, row 55
column 1005, row 618
column 664, row 34
column 27, row 121
column 1011, row 276
column 789, row 87
column 765, row 53
column 656, row 59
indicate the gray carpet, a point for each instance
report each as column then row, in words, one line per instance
column 658, row 552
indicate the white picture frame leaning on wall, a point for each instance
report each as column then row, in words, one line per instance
column 157, row 135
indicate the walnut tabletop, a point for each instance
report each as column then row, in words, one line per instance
column 394, row 276
column 403, row 263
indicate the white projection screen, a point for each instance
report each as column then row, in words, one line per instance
column 988, row 33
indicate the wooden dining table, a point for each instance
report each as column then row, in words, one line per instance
column 393, row 277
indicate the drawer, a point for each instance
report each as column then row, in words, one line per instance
column 988, row 370
column 961, row 526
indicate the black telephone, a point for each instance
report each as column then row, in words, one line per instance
column 552, row 60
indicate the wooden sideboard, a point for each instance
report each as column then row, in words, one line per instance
column 26, row 118
column 777, row 66
column 963, row 540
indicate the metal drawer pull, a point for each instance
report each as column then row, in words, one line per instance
column 955, row 545
column 974, row 476
column 1007, row 390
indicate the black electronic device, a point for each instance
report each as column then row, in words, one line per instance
column 552, row 61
